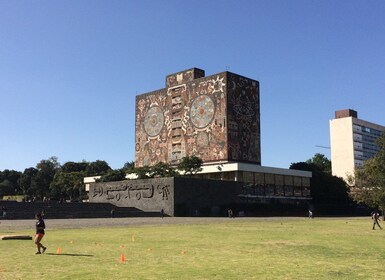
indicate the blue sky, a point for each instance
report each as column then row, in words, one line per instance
column 70, row 70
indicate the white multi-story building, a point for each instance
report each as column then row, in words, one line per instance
column 352, row 141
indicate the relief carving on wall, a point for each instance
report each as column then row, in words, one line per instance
column 126, row 192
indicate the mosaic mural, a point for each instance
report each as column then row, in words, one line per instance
column 215, row 118
column 244, row 119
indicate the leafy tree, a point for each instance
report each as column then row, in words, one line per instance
column 143, row 172
column 67, row 185
column 6, row 188
column 9, row 179
column 71, row 166
column 129, row 167
column 47, row 169
column 190, row 165
column 162, row 169
column 26, row 179
column 369, row 180
column 113, row 175
column 97, row 168
column 322, row 162
column 324, row 187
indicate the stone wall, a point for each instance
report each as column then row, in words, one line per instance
column 149, row 195
column 177, row 196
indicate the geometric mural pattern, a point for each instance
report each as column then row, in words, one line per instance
column 215, row 118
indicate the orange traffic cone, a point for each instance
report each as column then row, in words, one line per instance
column 122, row 258
column 58, row 250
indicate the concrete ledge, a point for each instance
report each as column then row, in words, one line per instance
column 15, row 237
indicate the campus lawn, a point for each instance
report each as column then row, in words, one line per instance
column 294, row 248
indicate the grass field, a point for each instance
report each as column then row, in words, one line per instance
column 233, row 249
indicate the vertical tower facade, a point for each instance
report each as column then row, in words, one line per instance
column 352, row 141
column 216, row 118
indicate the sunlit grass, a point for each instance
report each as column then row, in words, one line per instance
column 234, row 249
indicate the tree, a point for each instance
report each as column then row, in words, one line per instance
column 143, row 172
column 324, row 187
column 369, row 180
column 40, row 185
column 96, row 168
column 67, row 185
column 322, row 162
column 113, row 175
column 129, row 167
column 190, row 165
column 71, row 166
column 160, row 169
column 8, row 181
column 25, row 180
column 6, row 188
column 163, row 170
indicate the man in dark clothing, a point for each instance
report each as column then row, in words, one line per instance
column 40, row 226
column 4, row 212
column 376, row 218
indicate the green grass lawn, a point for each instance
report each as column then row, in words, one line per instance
column 235, row 249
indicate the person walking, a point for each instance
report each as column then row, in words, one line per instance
column 230, row 213
column 40, row 226
column 4, row 210
column 376, row 218
column 311, row 214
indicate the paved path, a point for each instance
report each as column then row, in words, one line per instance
column 7, row 225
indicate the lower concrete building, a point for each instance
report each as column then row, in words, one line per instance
column 218, row 187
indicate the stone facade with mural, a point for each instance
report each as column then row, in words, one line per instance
column 215, row 118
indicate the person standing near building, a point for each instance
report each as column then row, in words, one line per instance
column 376, row 218
column 230, row 213
column 4, row 210
column 310, row 214
column 40, row 226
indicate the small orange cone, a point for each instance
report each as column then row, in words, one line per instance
column 122, row 258
column 58, row 250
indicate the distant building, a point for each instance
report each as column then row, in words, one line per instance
column 216, row 118
column 352, row 142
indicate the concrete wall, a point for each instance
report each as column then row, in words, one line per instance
column 342, row 147
column 204, row 197
column 177, row 196
column 149, row 195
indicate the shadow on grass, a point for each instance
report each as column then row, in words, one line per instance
column 70, row 255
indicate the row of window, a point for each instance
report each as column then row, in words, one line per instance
column 367, row 130
column 273, row 190
column 255, row 178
